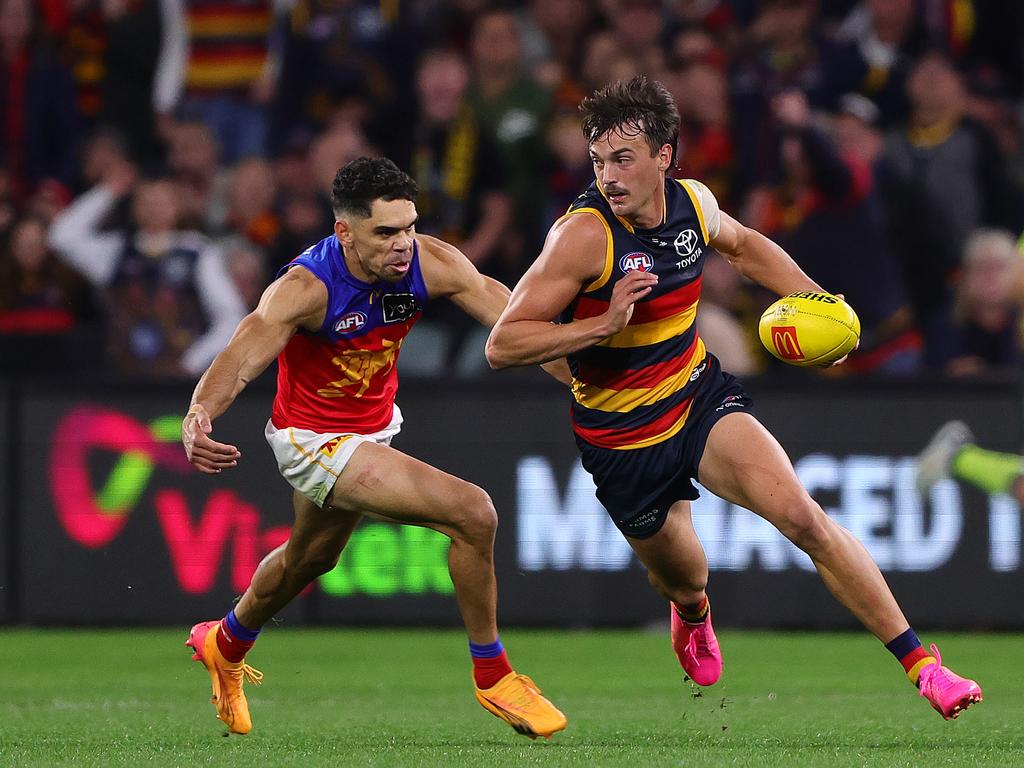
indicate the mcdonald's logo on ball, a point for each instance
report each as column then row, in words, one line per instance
column 786, row 342
column 809, row 328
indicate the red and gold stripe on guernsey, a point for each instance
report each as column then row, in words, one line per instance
column 672, row 303
column 652, row 321
column 652, row 333
column 640, row 437
column 664, row 378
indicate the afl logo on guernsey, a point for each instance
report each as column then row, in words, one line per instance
column 353, row 321
column 636, row 262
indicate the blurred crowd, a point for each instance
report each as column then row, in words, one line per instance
column 161, row 160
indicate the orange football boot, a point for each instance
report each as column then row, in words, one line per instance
column 517, row 700
column 226, row 677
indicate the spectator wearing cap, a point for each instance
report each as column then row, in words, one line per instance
column 943, row 177
column 170, row 305
column 825, row 211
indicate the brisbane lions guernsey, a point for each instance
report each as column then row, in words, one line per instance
column 635, row 388
column 342, row 378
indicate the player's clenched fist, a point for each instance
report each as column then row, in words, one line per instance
column 630, row 289
column 205, row 454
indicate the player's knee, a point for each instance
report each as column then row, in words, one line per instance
column 322, row 564
column 478, row 519
column 314, row 563
column 807, row 526
column 680, row 588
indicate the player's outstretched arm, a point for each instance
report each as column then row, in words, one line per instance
column 448, row 273
column 760, row 259
column 296, row 299
column 573, row 257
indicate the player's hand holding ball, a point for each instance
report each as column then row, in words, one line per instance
column 810, row 328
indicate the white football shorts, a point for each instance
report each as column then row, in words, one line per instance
column 313, row 461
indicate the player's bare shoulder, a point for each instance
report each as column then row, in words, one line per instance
column 298, row 297
column 445, row 268
column 436, row 253
column 577, row 244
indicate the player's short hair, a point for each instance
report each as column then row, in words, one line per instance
column 632, row 107
column 366, row 179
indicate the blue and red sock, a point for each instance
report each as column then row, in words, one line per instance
column 234, row 640
column 911, row 654
column 490, row 663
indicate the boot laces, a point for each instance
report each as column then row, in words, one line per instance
column 698, row 644
column 935, row 675
column 247, row 672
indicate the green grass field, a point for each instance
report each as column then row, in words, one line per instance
column 403, row 698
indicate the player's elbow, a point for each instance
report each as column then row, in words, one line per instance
column 496, row 350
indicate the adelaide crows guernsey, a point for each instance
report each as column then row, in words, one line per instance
column 342, row 378
column 635, row 388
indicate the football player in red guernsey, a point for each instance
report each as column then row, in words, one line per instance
column 652, row 408
column 335, row 318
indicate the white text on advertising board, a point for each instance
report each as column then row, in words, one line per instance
column 563, row 528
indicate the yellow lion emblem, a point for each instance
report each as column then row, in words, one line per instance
column 359, row 367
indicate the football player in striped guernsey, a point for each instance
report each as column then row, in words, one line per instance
column 615, row 289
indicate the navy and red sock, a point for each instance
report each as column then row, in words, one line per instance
column 694, row 613
column 490, row 663
column 911, row 654
column 234, row 640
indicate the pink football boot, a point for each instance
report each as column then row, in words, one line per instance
column 696, row 648
column 945, row 690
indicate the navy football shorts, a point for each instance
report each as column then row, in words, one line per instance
column 638, row 486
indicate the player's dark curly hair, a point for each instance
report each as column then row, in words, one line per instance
column 366, row 179
column 633, row 107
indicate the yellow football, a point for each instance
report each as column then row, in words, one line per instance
column 809, row 328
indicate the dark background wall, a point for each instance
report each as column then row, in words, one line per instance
column 105, row 523
column 7, row 499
